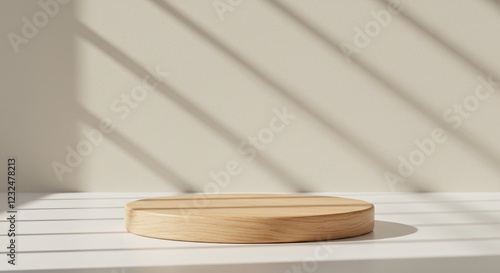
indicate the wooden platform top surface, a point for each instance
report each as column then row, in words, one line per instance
column 251, row 205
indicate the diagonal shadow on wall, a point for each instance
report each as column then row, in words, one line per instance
column 460, row 54
column 473, row 144
column 496, row 2
column 139, row 154
column 189, row 106
column 369, row 154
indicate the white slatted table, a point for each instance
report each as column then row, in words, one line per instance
column 84, row 232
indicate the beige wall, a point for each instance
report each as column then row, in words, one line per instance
column 184, row 83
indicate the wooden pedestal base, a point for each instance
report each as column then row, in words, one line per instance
column 249, row 218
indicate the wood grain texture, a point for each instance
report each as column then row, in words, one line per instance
column 249, row 218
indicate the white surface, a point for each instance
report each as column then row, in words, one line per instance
column 84, row 232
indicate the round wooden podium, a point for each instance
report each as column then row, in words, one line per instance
column 249, row 218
